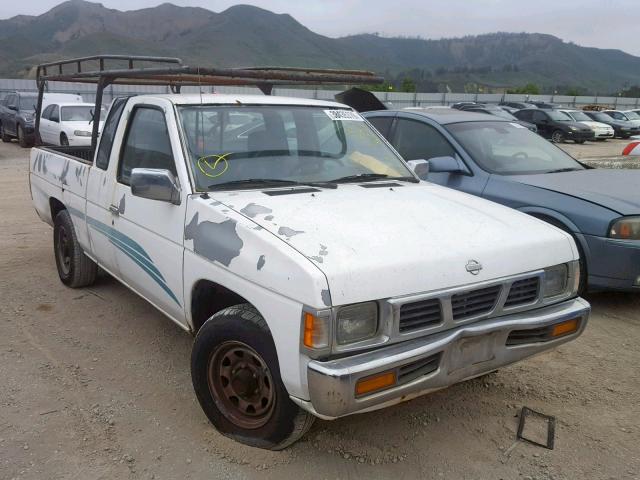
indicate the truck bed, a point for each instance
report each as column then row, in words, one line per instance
column 82, row 154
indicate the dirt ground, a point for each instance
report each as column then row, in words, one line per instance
column 94, row 384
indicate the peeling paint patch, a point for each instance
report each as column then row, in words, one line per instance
column 289, row 232
column 268, row 218
column 326, row 297
column 323, row 250
column 65, row 172
column 317, row 259
column 215, row 203
column 261, row 262
column 121, row 205
column 216, row 241
column 254, row 209
column 79, row 171
column 257, row 227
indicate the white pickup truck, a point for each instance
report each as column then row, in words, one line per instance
column 320, row 276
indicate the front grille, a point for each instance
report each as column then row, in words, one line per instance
column 422, row 314
column 474, row 303
column 523, row 292
column 419, row 368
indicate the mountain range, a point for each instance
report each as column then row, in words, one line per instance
column 249, row 36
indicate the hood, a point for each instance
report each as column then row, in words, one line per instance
column 614, row 189
column 379, row 242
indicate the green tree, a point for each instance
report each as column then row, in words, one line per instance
column 529, row 89
column 408, row 85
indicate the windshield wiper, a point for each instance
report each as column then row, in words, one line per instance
column 368, row 177
column 568, row 169
column 267, row 182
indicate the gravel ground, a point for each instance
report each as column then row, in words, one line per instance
column 94, row 383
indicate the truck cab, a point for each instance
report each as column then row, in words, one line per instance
column 320, row 276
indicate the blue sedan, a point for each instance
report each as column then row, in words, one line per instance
column 504, row 162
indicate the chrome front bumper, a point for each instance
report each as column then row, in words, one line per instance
column 459, row 354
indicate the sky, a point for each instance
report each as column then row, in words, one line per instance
column 592, row 23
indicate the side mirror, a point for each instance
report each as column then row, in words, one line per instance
column 419, row 167
column 446, row 165
column 155, row 184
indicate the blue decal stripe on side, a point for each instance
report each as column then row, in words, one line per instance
column 131, row 249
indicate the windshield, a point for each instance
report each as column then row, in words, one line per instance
column 559, row 116
column 80, row 113
column 632, row 115
column 510, row 149
column 579, row 116
column 286, row 143
column 28, row 102
column 601, row 117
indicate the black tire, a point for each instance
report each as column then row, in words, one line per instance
column 282, row 422
column 64, row 141
column 22, row 140
column 4, row 135
column 580, row 141
column 75, row 269
column 557, row 136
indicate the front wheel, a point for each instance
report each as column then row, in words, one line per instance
column 557, row 136
column 64, row 141
column 22, row 139
column 75, row 269
column 236, row 377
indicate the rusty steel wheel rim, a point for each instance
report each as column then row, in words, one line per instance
column 64, row 250
column 241, row 385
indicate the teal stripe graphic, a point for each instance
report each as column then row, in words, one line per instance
column 131, row 249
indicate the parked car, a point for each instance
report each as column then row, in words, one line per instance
column 624, row 116
column 621, row 128
column 461, row 105
column 298, row 253
column 601, row 131
column 517, row 105
column 499, row 112
column 546, row 105
column 17, row 114
column 68, row 124
column 556, row 125
column 503, row 162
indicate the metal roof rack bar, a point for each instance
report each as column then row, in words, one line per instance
column 169, row 71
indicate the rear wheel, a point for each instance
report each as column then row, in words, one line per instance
column 557, row 136
column 580, row 141
column 75, row 269
column 236, row 377
column 4, row 135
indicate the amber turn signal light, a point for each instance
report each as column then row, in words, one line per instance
column 375, row 383
column 564, row 328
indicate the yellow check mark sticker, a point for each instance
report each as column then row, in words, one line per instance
column 213, row 166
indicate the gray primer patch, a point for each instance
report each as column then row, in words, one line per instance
column 216, row 241
column 65, row 172
column 289, row 232
column 317, row 259
column 261, row 262
column 326, row 297
column 79, row 174
column 323, row 250
column 268, row 218
column 215, row 203
column 254, row 209
column 121, row 205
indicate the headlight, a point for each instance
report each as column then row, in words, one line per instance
column 555, row 280
column 573, row 129
column 81, row 133
column 28, row 117
column 356, row 323
column 626, row 228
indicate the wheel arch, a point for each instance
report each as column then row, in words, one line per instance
column 56, row 206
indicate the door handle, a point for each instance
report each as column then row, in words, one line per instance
column 114, row 209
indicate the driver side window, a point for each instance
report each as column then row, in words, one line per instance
column 418, row 141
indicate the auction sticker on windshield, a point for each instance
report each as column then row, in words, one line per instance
column 343, row 115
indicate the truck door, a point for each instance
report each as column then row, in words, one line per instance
column 100, row 213
column 150, row 261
